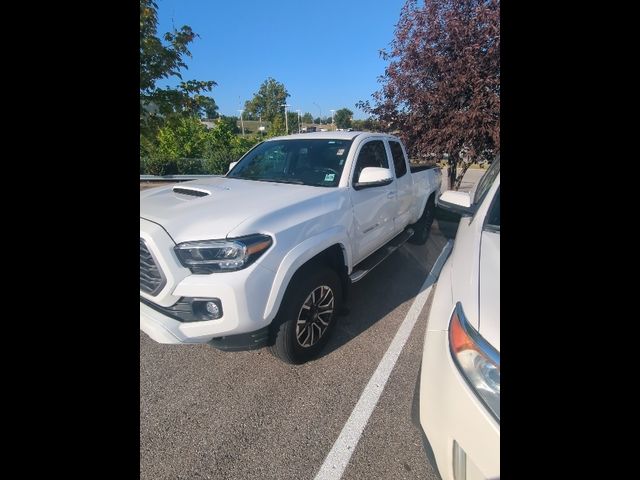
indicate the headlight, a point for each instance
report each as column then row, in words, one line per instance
column 477, row 360
column 210, row 256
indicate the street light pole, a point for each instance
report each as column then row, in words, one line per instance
column 286, row 120
column 298, row 120
column 241, row 121
column 332, row 112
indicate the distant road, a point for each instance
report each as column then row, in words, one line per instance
column 470, row 178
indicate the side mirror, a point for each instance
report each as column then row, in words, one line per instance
column 456, row 202
column 373, row 177
column 231, row 165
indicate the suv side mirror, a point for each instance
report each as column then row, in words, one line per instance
column 456, row 202
column 373, row 177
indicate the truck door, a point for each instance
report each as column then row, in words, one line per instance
column 404, row 187
column 373, row 208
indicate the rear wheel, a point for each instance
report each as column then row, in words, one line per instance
column 307, row 315
column 422, row 227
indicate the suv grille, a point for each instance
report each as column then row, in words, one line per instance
column 151, row 278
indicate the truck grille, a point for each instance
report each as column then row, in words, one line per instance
column 151, row 278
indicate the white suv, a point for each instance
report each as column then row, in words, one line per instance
column 458, row 390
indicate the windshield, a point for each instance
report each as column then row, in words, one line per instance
column 486, row 180
column 315, row 162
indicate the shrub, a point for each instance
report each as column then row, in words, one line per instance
column 189, row 166
column 182, row 137
column 159, row 165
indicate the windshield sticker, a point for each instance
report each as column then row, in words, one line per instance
column 329, row 177
column 340, row 152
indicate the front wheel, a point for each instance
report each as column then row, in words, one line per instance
column 422, row 227
column 307, row 315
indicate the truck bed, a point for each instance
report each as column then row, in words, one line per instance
column 419, row 168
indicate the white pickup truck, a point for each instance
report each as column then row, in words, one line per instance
column 265, row 255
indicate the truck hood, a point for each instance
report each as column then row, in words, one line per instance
column 211, row 208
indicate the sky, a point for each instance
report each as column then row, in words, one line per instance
column 326, row 52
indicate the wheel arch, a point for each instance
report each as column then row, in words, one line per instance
column 423, row 205
column 329, row 248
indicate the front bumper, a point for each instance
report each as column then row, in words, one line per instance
column 243, row 295
column 163, row 329
column 452, row 417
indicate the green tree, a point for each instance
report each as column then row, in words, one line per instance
column 231, row 122
column 221, row 136
column 343, row 118
column 210, row 108
column 368, row 124
column 222, row 146
column 277, row 127
column 307, row 118
column 292, row 118
column 161, row 59
column 184, row 141
column 268, row 100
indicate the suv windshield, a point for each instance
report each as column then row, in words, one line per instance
column 486, row 180
column 315, row 162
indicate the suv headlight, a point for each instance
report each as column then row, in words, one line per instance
column 208, row 256
column 477, row 360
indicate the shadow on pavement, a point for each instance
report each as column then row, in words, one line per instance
column 395, row 281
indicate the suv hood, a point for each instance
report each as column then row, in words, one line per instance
column 211, row 208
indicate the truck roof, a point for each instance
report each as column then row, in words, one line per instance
column 330, row 135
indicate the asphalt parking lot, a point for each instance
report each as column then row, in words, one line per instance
column 206, row 414
column 211, row 414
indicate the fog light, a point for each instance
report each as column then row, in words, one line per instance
column 207, row 308
column 213, row 309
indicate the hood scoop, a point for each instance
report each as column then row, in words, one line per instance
column 191, row 191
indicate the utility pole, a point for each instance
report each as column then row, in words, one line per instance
column 286, row 120
column 298, row 120
column 332, row 112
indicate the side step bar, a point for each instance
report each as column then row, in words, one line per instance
column 373, row 260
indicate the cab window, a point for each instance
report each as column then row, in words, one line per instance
column 372, row 154
column 399, row 164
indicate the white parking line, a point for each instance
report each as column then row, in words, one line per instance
column 338, row 458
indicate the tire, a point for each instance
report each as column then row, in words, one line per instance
column 422, row 227
column 297, row 337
